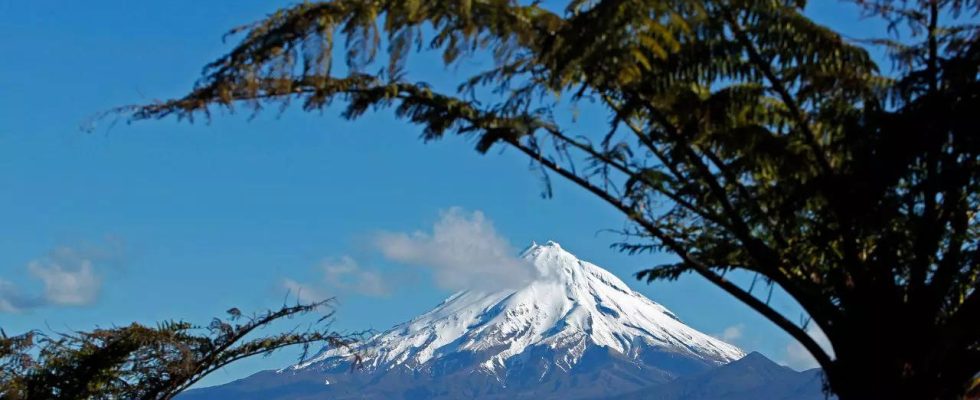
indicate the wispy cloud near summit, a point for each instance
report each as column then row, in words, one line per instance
column 463, row 251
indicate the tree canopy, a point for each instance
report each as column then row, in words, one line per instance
column 742, row 136
column 147, row 362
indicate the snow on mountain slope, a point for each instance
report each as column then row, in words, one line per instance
column 573, row 306
column 574, row 332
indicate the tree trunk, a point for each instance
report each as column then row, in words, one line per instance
column 897, row 357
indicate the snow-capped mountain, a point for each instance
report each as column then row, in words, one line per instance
column 576, row 331
column 574, row 306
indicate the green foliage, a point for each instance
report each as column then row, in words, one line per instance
column 141, row 362
column 742, row 136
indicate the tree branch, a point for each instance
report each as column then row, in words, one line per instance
column 798, row 333
column 765, row 67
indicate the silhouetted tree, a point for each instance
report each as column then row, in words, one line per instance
column 142, row 362
column 743, row 136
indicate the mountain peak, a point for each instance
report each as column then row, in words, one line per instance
column 551, row 244
column 756, row 356
column 574, row 306
column 535, row 247
column 574, row 329
column 757, row 361
column 556, row 265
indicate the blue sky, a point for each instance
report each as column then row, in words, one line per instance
column 161, row 219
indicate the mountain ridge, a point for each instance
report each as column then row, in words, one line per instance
column 572, row 303
column 751, row 377
column 575, row 331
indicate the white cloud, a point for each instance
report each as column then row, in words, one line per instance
column 69, row 278
column 303, row 293
column 797, row 356
column 65, row 284
column 346, row 274
column 338, row 275
column 6, row 306
column 463, row 251
column 12, row 301
column 8, row 297
column 731, row 334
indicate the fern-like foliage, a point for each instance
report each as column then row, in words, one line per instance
column 743, row 136
column 146, row 362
